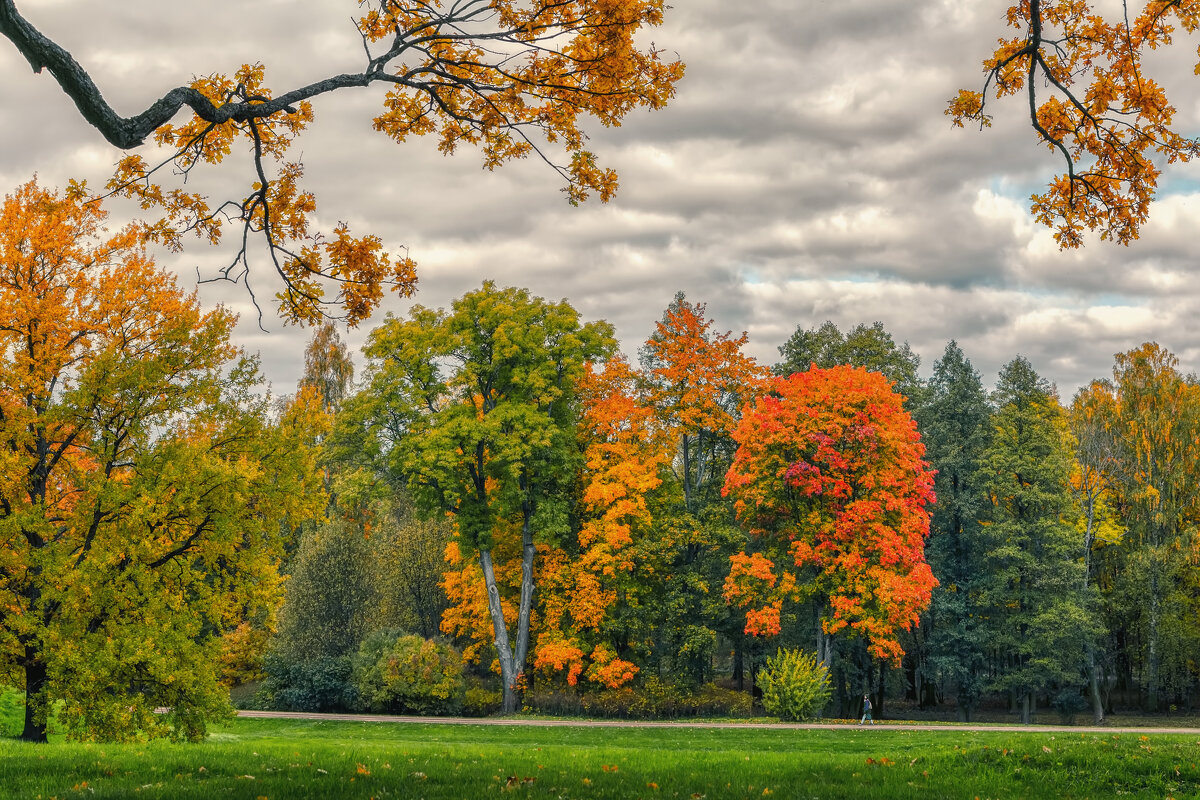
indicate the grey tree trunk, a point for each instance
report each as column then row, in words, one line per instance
column 1152, row 644
column 511, row 655
column 1094, row 688
column 504, row 653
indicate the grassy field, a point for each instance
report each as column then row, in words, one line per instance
column 253, row 758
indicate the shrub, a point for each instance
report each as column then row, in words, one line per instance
column 795, row 686
column 322, row 684
column 1069, row 702
column 652, row 698
column 481, row 702
column 408, row 674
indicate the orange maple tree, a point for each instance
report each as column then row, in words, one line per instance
column 625, row 454
column 514, row 78
column 699, row 379
column 1090, row 100
column 830, row 480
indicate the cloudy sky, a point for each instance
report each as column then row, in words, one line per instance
column 804, row 172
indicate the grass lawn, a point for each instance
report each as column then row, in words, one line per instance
column 252, row 758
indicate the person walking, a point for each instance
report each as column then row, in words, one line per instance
column 866, row 711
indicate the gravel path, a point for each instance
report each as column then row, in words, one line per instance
column 608, row 723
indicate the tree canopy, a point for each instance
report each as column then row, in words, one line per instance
column 141, row 483
column 829, row 476
column 476, row 409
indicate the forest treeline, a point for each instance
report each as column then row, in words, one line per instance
column 504, row 511
column 586, row 526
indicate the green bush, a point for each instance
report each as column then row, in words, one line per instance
column 795, row 686
column 322, row 684
column 408, row 674
column 12, row 710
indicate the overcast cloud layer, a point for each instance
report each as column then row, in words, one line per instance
column 805, row 172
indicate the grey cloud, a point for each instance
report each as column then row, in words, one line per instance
column 805, row 171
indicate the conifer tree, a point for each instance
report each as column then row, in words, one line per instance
column 1038, row 626
column 955, row 429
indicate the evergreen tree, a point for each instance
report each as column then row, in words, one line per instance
column 1038, row 625
column 955, row 429
column 870, row 347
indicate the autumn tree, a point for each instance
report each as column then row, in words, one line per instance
column 142, row 485
column 593, row 590
column 1092, row 485
column 1080, row 66
column 515, row 78
column 328, row 367
column 1030, row 585
column 475, row 407
column 1154, row 427
column 696, row 381
column 870, row 347
column 829, row 477
column 955, row 427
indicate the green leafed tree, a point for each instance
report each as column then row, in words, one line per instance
column 1153, row 421
column 475, row 407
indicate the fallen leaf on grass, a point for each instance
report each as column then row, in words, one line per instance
column 362, row 769
column 1046, row 749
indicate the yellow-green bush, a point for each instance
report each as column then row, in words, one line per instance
column 795, row 686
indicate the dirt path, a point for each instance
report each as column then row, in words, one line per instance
column 608, row 723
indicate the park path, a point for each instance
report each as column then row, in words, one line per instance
column 609, row 723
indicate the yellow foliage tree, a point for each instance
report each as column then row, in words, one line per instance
column 141, row 481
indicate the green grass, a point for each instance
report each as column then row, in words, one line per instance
column 277, row 759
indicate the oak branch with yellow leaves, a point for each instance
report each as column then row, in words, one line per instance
column 514, row 78
column 1091, row 101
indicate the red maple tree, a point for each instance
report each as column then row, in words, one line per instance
column 830, row 479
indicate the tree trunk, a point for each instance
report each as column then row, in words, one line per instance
column 877, row 702
column 504, row 654
column 824, row 645
column 1094, row 688
column 687, row 472
column 528, row 552
column 1152, row 646
column 36, row 703
column 1027, row 708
